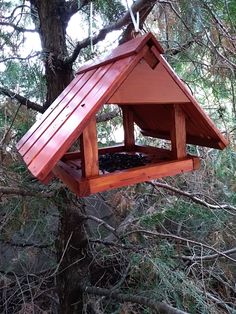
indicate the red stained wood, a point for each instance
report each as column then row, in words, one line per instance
column 132, row 176
column 51, row 125
column 178, row 133
column 101, row 151
column 160, row 153
column 67, row 92
column 137, row 77
column 128, row 125
column 194, row 109
column 195, row 140
column 58, row 139
column 148, row 86
column 129, row 48
column 89, row 150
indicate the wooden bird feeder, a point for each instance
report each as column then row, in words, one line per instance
column 136, row 77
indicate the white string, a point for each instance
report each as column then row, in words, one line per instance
column 135, row 21
column 91, row 26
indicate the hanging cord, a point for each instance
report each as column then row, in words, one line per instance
column 135, row 21
column 91, row 26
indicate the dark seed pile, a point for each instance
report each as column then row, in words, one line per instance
column 119, row 161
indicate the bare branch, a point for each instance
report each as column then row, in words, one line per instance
column 30, row 56
column 158, row 307
column 22, row 100
column 100, row 222
column 74, row 6
column 106, row 116
column 183, row 47
column 20, row 191
column 24, row 245
column 192, row 197
column 18, row 28
column 137, row 6
column 207, row 257
column 178, row 238
column 115, row 244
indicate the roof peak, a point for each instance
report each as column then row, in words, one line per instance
column 127, row 49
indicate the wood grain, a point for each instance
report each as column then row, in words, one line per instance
column 49, row 111
column 89, row 150
column 135, row 175
column 56, row 142
column 178, row 133
column 128, row 125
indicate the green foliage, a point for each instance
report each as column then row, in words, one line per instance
column 26, row 76
column 110, row 11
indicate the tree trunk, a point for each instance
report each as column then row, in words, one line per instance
column 51, row 19
column 73, row 256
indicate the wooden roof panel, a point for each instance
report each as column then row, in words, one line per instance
column 48, row 112
column 51, row 126
column 58, row 109
column 54, row 143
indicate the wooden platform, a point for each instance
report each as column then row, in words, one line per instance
column 161, row 164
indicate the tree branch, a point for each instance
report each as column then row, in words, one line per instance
column 207, row 257
column 137, row 6
column 107, row 116
column 192, row 196
column 158, row 307
column 178, row 238
column 143, row 13
column 24, row 245
column 74, row 6
column 22, row 100
column 18, row 28
column 19, row 191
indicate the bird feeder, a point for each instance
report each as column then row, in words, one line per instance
column 137, row 78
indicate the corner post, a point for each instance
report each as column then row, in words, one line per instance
column 128, row 125
column 178, row 133
column 89, row 150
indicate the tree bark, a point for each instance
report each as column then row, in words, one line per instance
column 73, row 255
column 52, row 22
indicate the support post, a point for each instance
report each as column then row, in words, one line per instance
column 89, row 150
column 178, row 133
column 128, row 125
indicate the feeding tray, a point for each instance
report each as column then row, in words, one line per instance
column 137, row 78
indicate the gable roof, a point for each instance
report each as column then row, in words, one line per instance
column 107, row 81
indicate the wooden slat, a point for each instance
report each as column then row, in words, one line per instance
column 125, row 50
column 68, row 110
column 101, row 151
column 53, row 121
column 128, row 125
column 159, row 152
column 66, row 93
column 73, row 126
column 191, row 139
column 89, row 150
column 69, row 177
column 135, row 175
column 178, row 133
